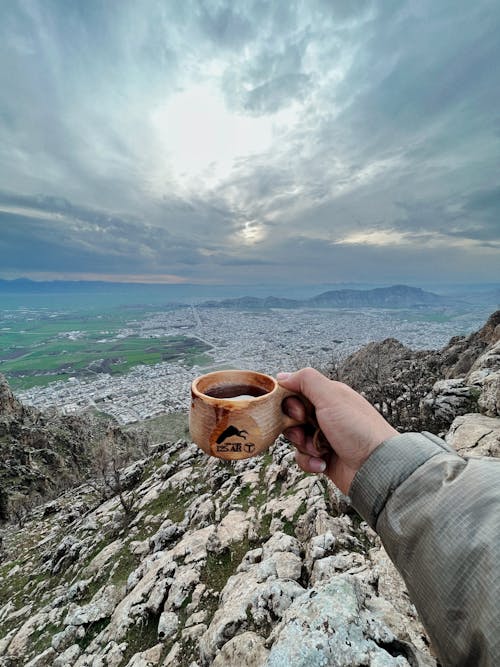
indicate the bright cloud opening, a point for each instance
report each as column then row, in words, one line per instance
column 200, row 138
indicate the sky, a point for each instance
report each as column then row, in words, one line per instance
column 250, row 142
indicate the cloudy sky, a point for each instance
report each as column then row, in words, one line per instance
column 251, row 141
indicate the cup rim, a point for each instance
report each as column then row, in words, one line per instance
column 228, row 372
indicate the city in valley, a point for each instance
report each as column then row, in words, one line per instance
column 267, row 341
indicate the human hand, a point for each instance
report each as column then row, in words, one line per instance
column 352, row 427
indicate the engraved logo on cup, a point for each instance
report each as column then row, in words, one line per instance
column 225, row 445
column 230, row 432
column 236, row 439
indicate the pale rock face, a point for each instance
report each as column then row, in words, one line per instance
column 62, row 640
column 193, row 632
column 485, row 375
column 181, row 478
column 256, row 594
column 475, row 435
column 167, row 531
column 201, row 511
column 328, row 625
column 19, row 642
column 247, row 649
column 449, row 398
column 113, row 654
column 101, row 606
column 489, row 361
column 281, row 542
column 167, row 625
column 77, row 589
column 489, row 400
column 147, row 658
column 393, row 605
column 186, row 578
column 326, row 568
column 232, row 528
column 68, row 657
column 45, row 659
column 174, row 656
column 193, row 545
column 321, row 546
column 153, row 581
column 151, row 493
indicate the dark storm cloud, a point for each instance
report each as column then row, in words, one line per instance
column 382, row 118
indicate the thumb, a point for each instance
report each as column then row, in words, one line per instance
column 310, row 383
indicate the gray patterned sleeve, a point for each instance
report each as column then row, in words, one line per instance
column 438, row 516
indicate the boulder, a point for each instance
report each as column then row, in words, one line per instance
column 331, row 625
column 247, row 649
column 448, row 399
column 101, row 606
column 167, row 625
column 475, row 435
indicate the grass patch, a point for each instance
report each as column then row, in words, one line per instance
column 243, row 497
column 42, row 639
column 91, row 632
column 140, row 637
column 171, row 502
column 127, row 562
column 219, row 567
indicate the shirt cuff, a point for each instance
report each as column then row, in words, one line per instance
column 389, row 466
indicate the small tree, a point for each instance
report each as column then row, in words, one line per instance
column 20, row 506
column 112, row 453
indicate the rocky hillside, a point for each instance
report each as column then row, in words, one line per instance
column 45, row 453
column 427, row 389
column 219, row 563
column 196, row 562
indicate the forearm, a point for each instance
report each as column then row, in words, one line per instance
column 438, row 516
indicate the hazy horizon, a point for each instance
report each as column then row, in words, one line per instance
column 222, row 143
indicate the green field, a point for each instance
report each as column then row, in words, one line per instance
column 38, row 350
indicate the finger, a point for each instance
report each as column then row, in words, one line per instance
column 310, row 463
column 296, row 435
column 294, row 408
column 304, row 441
column 309, row 382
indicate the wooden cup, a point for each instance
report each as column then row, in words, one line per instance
column 238, row 414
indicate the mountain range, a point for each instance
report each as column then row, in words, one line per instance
column 396, row 296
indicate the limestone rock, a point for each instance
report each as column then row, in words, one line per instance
column 102, row 558
column 489, row 400
column 246, row 649
column 254, row 596
column 449, row 398
column 186, row 578
column 167, row 625
column 44, row 659
column 147, row 658
column 329, row 625
column 232, row 528
column 475, row 435
column 68, row 657
column 101, row 606
column 61, row 640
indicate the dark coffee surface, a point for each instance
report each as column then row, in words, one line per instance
column 234, row 390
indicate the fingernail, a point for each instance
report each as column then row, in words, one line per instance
column 283, row 376
column 319, row 464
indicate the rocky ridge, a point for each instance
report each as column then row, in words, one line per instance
column 43, row 453
column 216, row 563
column 426, row 389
